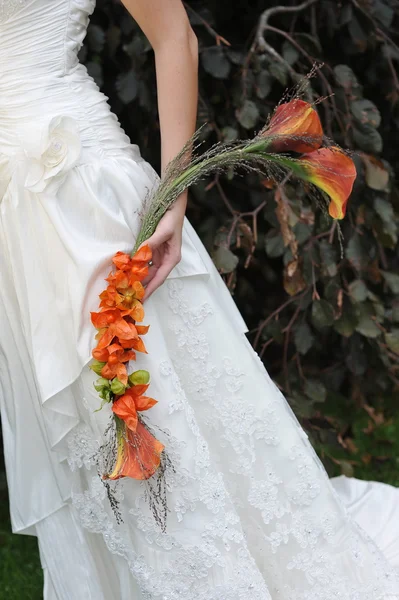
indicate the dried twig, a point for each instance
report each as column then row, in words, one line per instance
column 269, row 12
column 218, row 38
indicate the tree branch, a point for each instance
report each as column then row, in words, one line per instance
column 269, row 12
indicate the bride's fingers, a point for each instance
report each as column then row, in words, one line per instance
column 158, row 279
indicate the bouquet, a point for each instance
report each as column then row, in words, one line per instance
column 131, row 448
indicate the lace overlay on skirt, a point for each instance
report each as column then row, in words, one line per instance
column 252, row 514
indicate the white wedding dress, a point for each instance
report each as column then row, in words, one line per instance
column 252, row 514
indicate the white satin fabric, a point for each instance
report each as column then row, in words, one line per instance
column 252, row 513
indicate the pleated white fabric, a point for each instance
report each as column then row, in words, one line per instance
column 252, row 514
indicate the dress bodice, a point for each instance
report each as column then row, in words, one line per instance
column 41, row 77
column 42, row 35
column 9, row 7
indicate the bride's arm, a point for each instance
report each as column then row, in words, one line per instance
column 165, row 24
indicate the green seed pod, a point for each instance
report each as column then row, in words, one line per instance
column 117, row 387
column 97, row 366
column 139, row 378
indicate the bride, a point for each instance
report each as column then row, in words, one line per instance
column 251, row 512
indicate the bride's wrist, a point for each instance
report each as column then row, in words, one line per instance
column 180, row 205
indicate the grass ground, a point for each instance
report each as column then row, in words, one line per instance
column 20, row 571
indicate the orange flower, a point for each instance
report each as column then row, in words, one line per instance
column 334, row 172
column 296, row 126
column 139, row 263
column 127, row 406
column 104, row 318
column 138, row 456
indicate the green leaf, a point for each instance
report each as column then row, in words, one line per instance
column 356, row 359
column 279, row 72
column 376, row 174
column 248, row 115
column 322, row 314
column 366, row 112
column 328, row 257
column 302, row 232
column 345, row 77
column 274, row 245
column 264, row 84
column 95, row 71
column 346, row 324
column 315, row 390
column 230, row 134
column 301, row 405
column 225, row 260
column 303, row 338
column 383, row 13
column 392, row 340
column 355, row 253
column 127, row 86
column 215, row 62
column 384, row 210
column 290, row 53
column 392, row 281
column 366, row 324
column 346, row 468
column 367, row 138
column 96, row 38
column 358, row 290
column 274, row 330
column 104, row 401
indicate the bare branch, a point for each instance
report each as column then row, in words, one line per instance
column 269, row 12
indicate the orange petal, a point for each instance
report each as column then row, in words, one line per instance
column 122, row 260
column 296, row 127
column 138, row 345
column 106, row 338
column 139, row 457
column 128, row 344
column 121, row 373
column 127, row 356
column 334, row 172
column 137, row 311
column 142, row 329
column 145, row 403
column 125, row 409
column 138, row 390
column 114, row 348
column 139, row 290
column 108, row 371
column 144, row 255
column 121, row 280
column 101, row 355
column 103, row 318
column 125, row 330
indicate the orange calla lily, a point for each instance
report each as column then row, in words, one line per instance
column 334, row 172
column 127, row 406
column 138, row 455
column 296, row 127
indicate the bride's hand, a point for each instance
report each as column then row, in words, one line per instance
column 165, row 244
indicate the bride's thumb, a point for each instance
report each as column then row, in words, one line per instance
column 154, row 241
